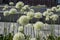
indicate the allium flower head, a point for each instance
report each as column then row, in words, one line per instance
column 20, row 29
column 53, row 8
column 33, row 39
column 11, row 3
column 6, row 13
column 30, row 15
column 19, row 36
column 13, row 11
column 48, row 10
column 23, row 20
column 19, row 5
column 58, row 6
column 54, row 17
column 58, row 10
column 25, row 8
column 38, row 15
column 47, row 13
column 38, row 25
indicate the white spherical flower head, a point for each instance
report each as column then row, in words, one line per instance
column 19, row 36
column 58, row 6
column 33, row 39
column 54, row 17
column 38, row 15
column 23, row 20
column 38, row 25
column 53, row 8
column 47, row 13
column 13, row 11
column 25, row 8
column 30, row 15
column 58, row 10
column 31, row 10
column 19, row 5
column 20, row 29
column 6, row 13
column 11, row 3
column 48, row 10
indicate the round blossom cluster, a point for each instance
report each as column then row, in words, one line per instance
column 53, row 8
column 58, row 10
column 20, row 29
column 33, row 39
column 19, row 5
column 23, row 20
column 30, row 15
column 19, row 36
column 48, row 10
column 6, row 13
column 47, row 13
column 38, row 15
column 11, row 3
column 54, row 17
column 13, row 11
column 31, row 10
column 38, row 25
column 25, row 8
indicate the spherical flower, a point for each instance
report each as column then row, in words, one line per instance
column 30, row 15
column 33, row 39
column 47, row 13
column 19, row 5
column 31, row 10
column 11, row 3
column 23, row 20
column 38, row 15
column 58, row 10
column 6, row 6
column 20, row 29
column 54, row 17
column 25, row 8
column 13, row 11
column 6, row 13
column 48, row 10
column 38, row 25
column 19, row 36
column 58, row 6
column 53, row 8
